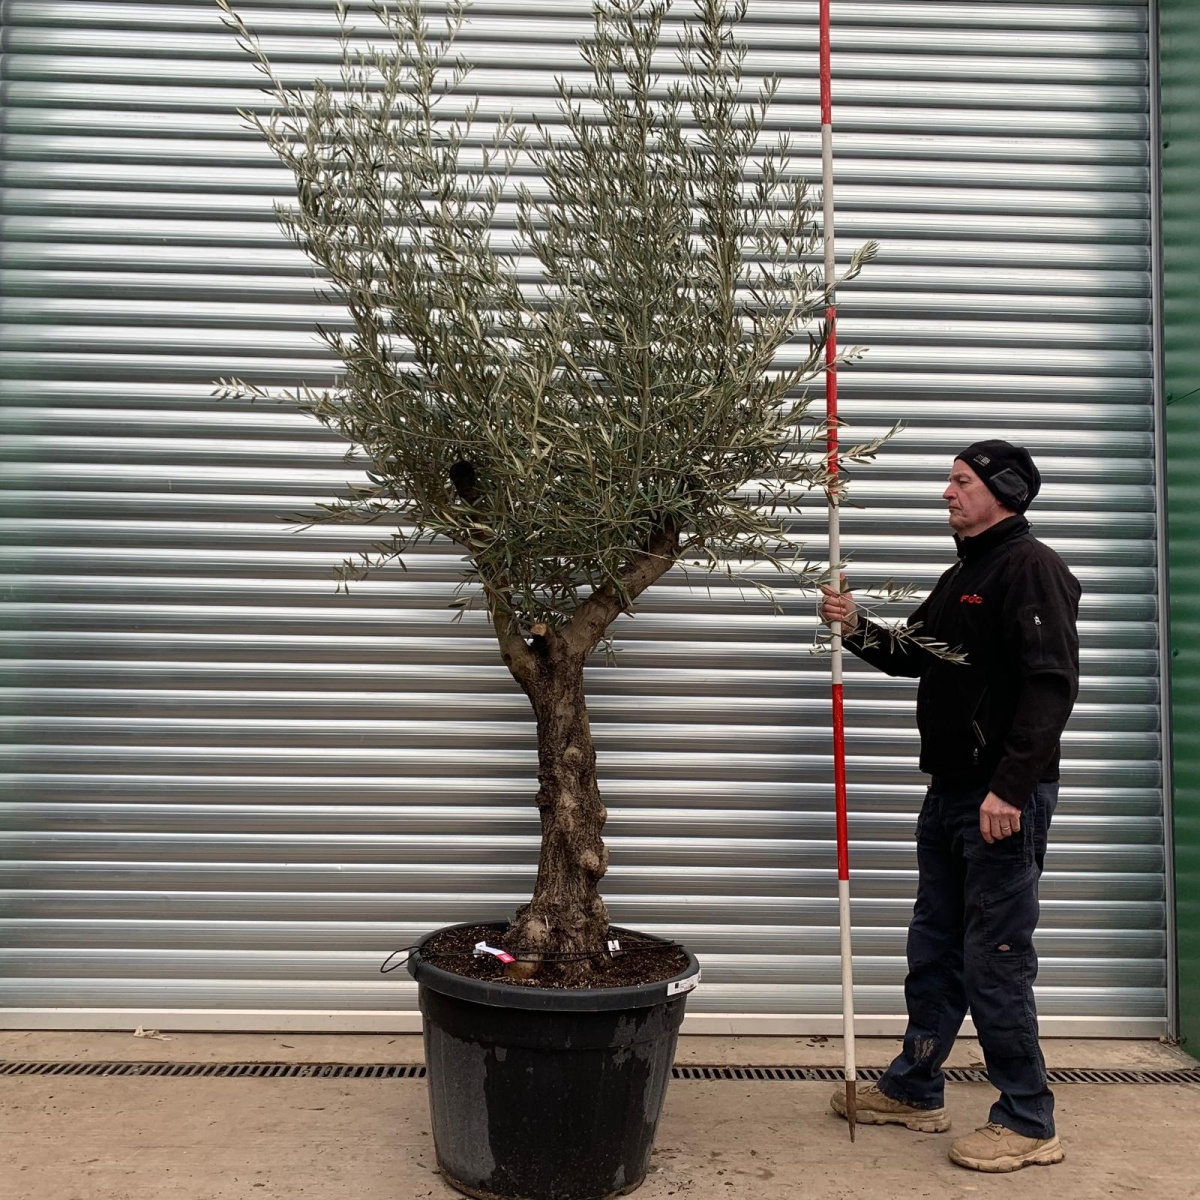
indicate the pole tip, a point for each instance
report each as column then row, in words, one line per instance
column 851, row 1106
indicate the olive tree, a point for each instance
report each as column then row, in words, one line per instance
column 584, row 381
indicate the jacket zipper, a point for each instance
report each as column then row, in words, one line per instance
column 977, row 731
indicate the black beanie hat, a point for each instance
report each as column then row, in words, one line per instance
column 1007, row 470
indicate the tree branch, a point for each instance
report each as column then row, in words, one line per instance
column 602, row 607
column 514, row 650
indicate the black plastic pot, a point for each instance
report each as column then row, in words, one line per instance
column 542, row 1093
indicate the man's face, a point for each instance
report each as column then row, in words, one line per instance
column 972, row 507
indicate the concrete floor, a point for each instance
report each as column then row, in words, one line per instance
column 247, row 1139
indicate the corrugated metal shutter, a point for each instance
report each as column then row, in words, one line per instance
column 232, row 791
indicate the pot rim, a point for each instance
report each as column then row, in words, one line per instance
column 513, row 995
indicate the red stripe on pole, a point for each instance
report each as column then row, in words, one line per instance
column 826, row 87
column 839, row 785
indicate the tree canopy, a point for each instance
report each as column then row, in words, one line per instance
column 583, row 379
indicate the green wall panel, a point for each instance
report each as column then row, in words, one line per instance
column 1180, row 78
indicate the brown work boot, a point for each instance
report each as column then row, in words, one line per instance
column 874, row 1108
column 992, row 1147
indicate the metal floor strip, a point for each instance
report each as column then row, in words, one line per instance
column 195, row 1070
column 953, row 1074
column 714, row 1074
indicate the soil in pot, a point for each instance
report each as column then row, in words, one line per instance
column 638, row 959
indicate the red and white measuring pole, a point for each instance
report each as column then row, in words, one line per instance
column 835, row 558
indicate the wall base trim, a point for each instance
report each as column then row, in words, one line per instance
column 250, row 1020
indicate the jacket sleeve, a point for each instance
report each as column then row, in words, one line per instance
column 882, row 649
column 894, row 655
column 1040, row 615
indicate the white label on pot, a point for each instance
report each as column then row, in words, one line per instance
column 482, row 948
column 683, row 985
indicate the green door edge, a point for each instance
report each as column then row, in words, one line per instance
column 1179, row 78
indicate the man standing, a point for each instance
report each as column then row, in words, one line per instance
column 990, row 727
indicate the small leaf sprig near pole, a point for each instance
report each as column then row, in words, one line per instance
column 835, row 555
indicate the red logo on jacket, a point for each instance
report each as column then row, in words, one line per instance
column 970, row 598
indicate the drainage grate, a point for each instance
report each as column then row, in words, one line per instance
column 953, row 1074
column 284, row 1070
column 772, row 1074
column 193, row 1070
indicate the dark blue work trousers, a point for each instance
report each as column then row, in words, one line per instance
column 970, row 946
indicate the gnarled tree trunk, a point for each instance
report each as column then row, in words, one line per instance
column 561, row 931
column 566, row 915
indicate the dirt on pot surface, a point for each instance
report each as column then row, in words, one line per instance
column 640, row 959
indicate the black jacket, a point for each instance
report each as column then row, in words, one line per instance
column 1010, row 605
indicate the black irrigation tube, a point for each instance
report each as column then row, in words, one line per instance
column 711, row 1074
